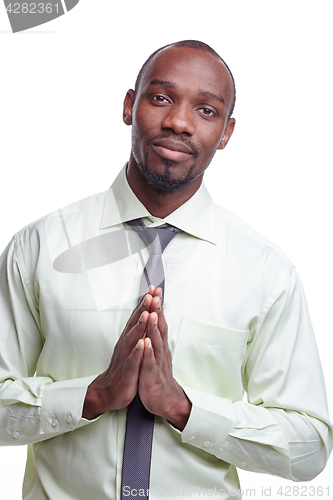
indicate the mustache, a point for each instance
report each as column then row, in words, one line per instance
column 176, row 138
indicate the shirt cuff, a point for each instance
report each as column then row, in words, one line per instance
column 62, row 405
column 210, row 420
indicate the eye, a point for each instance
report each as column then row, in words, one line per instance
column 207, row 112
column 159, row 99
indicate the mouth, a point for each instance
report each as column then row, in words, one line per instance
column 172, row 150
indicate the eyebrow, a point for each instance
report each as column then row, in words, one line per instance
column 164, row 83
column 204, row 93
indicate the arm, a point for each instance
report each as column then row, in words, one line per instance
column 36, row 408
column 32, row 408
column 283, row 429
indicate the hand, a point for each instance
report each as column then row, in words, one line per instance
column 142, row 362
column 116, row 387
column 159, row 391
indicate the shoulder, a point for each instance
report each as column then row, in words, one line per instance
column 246, row 239
column 77, row 210
column 60, row 229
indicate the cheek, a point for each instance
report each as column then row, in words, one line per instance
column 208, row 149
column 209, row 139
column 140, row 131
column 143, row 117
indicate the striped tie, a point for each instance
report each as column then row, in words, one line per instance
column 140, row 422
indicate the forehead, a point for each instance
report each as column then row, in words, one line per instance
column 189, row 68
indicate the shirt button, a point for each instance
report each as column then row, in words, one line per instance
column 69, row 418
column 207, row 443
column 16, row 434
column 243, row 464
column 192, row 438
column 55, row 422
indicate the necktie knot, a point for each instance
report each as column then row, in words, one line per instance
column 156, row 239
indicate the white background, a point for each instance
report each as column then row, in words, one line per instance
column 62, row 138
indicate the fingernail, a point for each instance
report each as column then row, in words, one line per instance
column 149, row 343
column 155, row 321
column 137, row 346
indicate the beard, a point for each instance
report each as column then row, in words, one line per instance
column 164, row 182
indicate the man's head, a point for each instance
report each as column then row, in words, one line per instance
column 180, row 111
column 194, row 44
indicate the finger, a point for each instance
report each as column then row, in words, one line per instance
column 131, row 370
column 137, row 331
column 143, row 305
column 151, row 290
column 148, row 363
column 157, row 292
column 156, row 306
column 154, row 334
column 133, row 361
column 147, row 345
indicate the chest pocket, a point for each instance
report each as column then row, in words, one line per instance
column 209, row 358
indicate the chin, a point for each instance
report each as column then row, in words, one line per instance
column 164, row 182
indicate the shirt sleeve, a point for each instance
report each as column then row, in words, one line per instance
column 283, row 428
column 32, row 408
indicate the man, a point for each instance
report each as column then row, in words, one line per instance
column 232, row 316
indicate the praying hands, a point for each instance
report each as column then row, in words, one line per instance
column 141, row 362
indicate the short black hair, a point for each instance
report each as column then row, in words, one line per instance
column 193, row 44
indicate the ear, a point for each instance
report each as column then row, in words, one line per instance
column 227, row 133
column 128, row 107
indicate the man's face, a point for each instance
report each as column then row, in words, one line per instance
column 179, row 116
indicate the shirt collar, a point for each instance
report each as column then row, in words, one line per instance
column 196, row 216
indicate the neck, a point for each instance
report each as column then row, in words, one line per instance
column 158, row 203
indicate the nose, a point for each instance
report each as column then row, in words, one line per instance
column 180, row 120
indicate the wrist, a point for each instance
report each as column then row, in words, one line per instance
column 181, row 413
column 93, row 406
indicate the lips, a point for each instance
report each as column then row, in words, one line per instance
column 172, row 150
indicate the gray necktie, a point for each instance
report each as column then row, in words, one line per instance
column 140, row 423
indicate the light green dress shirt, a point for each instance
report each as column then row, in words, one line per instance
column 238, row 321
